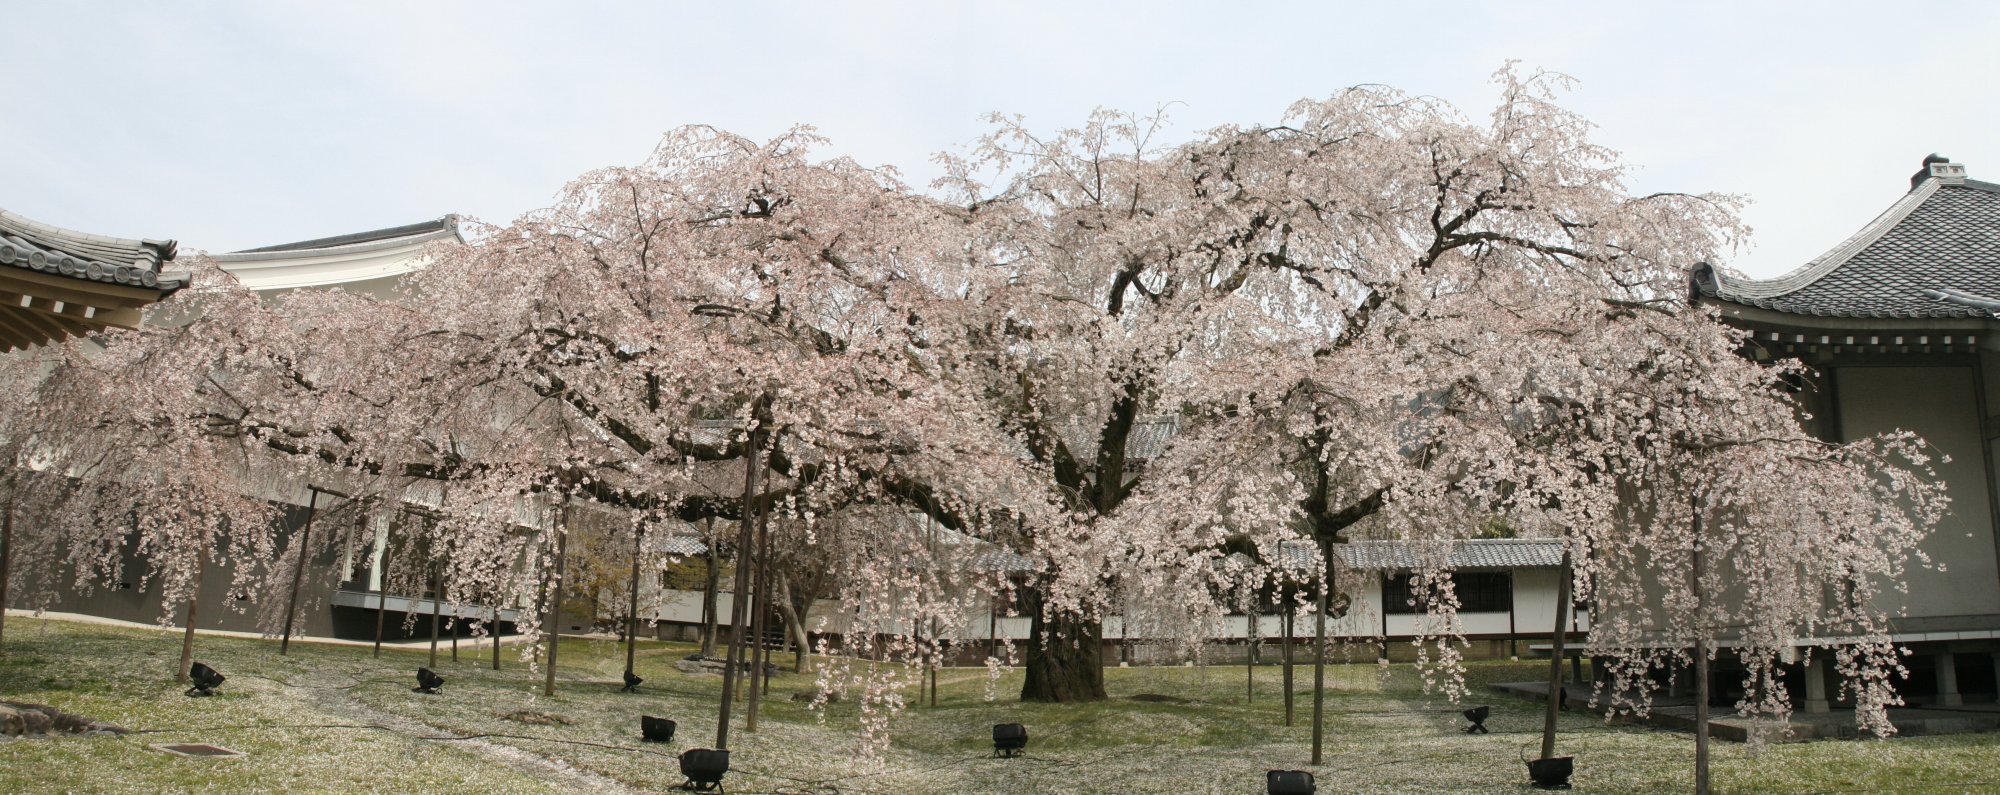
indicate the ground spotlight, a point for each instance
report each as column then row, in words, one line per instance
column 656, row 730
column 1478, row 717
column 1289, row 782
column 428, row 682
column 1551, row 773
column 631, row 683
column 1009, row 739
column 205, row 680
column 704, row 768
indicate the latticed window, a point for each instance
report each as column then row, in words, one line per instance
column 1478, row 592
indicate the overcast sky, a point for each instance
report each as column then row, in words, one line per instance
column 232, row 125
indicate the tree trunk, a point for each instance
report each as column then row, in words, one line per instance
column 794, row 623
column 1065, row 655
column 1556, row 660
column 554, row 623
column 298, row 570
column 1319, row 651
column 194, row 598
column 496, row 631
column 708, row 617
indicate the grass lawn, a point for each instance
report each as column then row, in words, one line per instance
column 334, row 719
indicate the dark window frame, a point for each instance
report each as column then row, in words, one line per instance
column 1478, row 592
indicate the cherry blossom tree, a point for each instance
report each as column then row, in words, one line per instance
column 1123, row 359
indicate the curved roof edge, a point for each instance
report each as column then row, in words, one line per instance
column 354, row 243
column 1731, row 288
column 1940, row 238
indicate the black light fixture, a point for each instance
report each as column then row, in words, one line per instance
column 656, row 730
column 703, row 768
column 1009, row 739
column 205, row 680
column 1478, row 717
column 631, row 683
column 1289, row 782
column 1551, row 773
column 428, row 682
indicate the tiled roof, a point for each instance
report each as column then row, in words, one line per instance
column 33, row 245
column 685, row 546
column 1002, row 560
column 1146, row 441
column 1478, row 553
column 1934, row 254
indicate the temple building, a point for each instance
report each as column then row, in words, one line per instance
column 1901, row 325
column 60, row 283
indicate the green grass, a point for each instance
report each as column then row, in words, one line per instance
column 1383, row 734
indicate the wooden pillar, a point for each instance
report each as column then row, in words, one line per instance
column 1513, row 632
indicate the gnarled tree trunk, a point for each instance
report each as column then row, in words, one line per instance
column 1065, row 657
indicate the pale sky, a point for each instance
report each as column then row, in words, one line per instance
column 233, row 125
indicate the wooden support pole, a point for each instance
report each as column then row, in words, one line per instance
column 1289, row 624
column 753, row 461
column 299, row 570
column 632, row 607
column 382, row 596
column 6, row 561
column 1250, row 649
column 1556, row 660
column 437, row 603
column 1701, row 673
column 194, row 599
column 1319, row 651
column 761, row 620
column 554, row 622
column 713, row 584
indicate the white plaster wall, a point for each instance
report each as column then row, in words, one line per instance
column 1940, row 404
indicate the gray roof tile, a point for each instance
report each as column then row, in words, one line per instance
column 1478, row 553
column 32, row 245
column 1942, row 236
